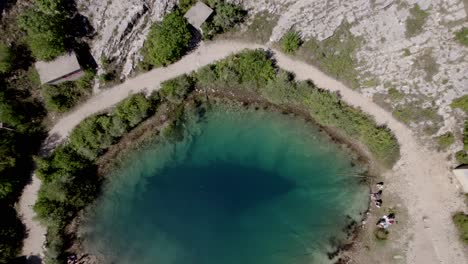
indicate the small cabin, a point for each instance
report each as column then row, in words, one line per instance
column 63, row 68
column 461, row 172
column 198, row 14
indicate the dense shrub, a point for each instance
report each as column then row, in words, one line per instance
column 167, row 41
column 63, row 96
column 176, row 90
column 6, row 58
column 133, row 110
column 462, row 157
column 461, row 222
column 11, row 234
column 445, row 140
column 185, row 5
column 46, row 33
column 250, row 70
column 290, row 42
column 255, row 71
column 462, row 36
column 461, row 103
column 225, row 17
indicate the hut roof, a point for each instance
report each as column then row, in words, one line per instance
column 198, row 14
column 53, row 70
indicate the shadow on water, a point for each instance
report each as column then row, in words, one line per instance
column 202, row 202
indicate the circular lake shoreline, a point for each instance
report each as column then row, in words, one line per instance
column 298, row 132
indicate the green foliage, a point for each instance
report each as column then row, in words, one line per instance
column 412, row 113
column 50, row 6
column 290, row 42
column 462, row 156
column 6, row 58
column 254, row 71
column 461, row 222
column 465, row 136
column 11, row 234
column 461, row 103
column 46, row 33
column 185, row 5
column 133, row 110
column 250, row 70
column 69, row 175
column 328, row 109
column 225, row 17
column 63, row 96
column 445, row 140
column 176, row 90
column 462, row 36
column 335, row 55
column 97, row 133
column 415, row 22
column 167, row 41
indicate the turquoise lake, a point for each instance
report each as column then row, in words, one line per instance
column 242, row 187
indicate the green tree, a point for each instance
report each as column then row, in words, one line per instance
column 46, row 33
column 185, row 5
column 290, row 42
column 6, row 58
column 226, row 16
column 167, row 41
column 51, row 6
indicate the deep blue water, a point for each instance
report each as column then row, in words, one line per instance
column 242, row 187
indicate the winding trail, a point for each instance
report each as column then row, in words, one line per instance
column 422, row 177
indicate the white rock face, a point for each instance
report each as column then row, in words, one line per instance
column 383, row 55
column 121, row 27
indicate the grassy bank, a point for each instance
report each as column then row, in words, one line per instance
column 70, row 176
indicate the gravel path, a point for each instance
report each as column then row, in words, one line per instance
column 421, row 177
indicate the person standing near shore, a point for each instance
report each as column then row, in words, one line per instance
column 386, row 221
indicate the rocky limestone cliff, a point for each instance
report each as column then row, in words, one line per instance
column 121, row 27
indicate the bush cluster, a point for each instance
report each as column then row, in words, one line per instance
column 225, row 16
column 63, row 96
column 461, row 222
column 69, row 176
column 290, row 42
column 248, row 70
column 167, row 41
column 461, row 103
column 46, row 31
column 255, row 71
column 462, row 155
